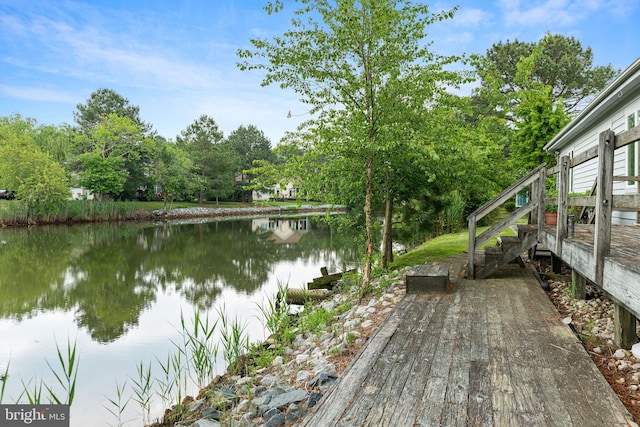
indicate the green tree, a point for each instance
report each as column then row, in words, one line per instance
column 36, row 178
column 100, row 105
column 365, row 69
column 561, row 63
column 212, row 160
column 249, row 144
column 173, row 172
column 107, row 150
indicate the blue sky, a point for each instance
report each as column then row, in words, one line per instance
column 176, row 60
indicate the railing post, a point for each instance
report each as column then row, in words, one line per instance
column 604, row 202
column 471, row 256
column 563, row 195
column 542, row 191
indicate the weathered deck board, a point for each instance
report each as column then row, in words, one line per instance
column 493, row 353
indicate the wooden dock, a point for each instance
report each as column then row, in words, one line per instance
column 494, row 352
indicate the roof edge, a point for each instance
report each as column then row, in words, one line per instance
column 593, row 107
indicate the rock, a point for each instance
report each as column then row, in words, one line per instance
column 206, row 423
column 313, row 399
column 323, row 378
column 269, row 380
column 271, row 413
column 288, row 398
column 276, row 421
column 302, row 376
column 620, row 354
column 294, row 413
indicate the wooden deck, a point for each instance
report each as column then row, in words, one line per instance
column 492, row 353
column 621, row 269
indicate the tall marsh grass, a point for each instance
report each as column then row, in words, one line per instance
column 17, row 212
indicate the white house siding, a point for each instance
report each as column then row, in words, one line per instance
column 585, row 174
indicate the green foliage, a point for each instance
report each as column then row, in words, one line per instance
column 4, row 377
column 365, row 70
column 66, row 374
column 454, row 219
column 102, row 175
column 102, row 103
column 119, row 403
column 142, row 387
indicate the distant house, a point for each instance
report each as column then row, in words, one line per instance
column 276, row 192
column 617, row 108
column 81, row 193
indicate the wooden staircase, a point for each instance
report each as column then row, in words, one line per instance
column 507, row 250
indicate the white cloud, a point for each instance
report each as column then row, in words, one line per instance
column 37, row 94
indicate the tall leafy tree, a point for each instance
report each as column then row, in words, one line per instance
column 96, row 116
column 37, row 179
column 561, row 63
column 249, row 144
column 173, row 172
column 213, row 161
column 108, row 148
column 365, row 69
column 100, row 104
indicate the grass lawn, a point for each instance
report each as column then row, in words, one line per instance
column 441, row 247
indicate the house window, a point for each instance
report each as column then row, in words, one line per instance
column 632, row 158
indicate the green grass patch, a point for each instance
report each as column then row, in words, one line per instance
column 441, row 247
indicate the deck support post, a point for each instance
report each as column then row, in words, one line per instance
column 604, row 202
column 578, row 285
column 556, row 263
column 624, row 327
column 563, row 196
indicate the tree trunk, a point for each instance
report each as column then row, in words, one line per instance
column 366, row 273
column 387, row 238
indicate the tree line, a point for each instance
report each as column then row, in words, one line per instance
column 388, row 134
column 112, row 153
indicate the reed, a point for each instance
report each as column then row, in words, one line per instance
column 142, row 388
column 276, row 314
column 119, row 404
column 199, row 347
column 3, row 379
column 68, row 375
column 34, row 397
column 235, row 342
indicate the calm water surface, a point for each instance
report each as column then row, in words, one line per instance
column 119, row 292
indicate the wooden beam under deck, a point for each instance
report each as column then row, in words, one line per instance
column 621, row 268
column 493, row 353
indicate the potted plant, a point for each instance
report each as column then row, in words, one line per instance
column 551, row 211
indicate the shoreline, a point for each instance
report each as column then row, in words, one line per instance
column 284, row 392
column 177, row 214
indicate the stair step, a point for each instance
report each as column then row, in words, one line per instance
column 430, row 277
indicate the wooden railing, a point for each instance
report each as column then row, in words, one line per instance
column 604, row 201
column 536, row 180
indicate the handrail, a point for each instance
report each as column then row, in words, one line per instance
column 533, row 179
column 604, row 200
column 511, row 191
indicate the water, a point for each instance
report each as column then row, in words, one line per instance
column 118, row 292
